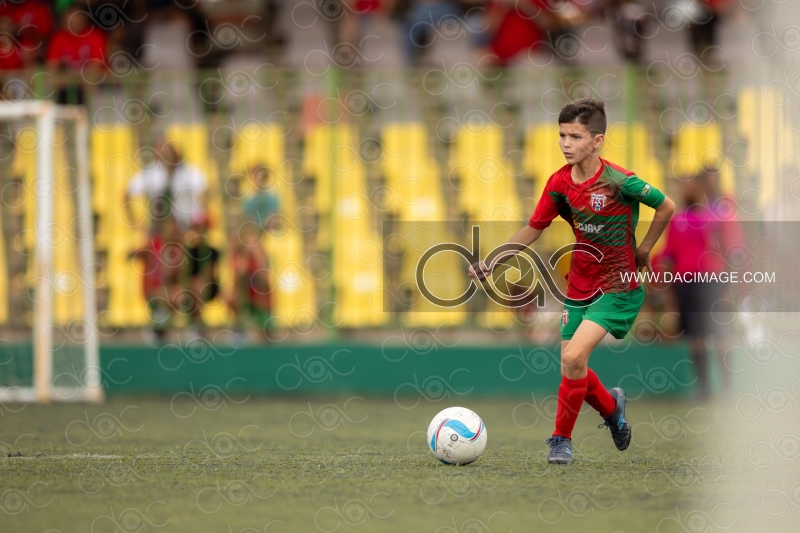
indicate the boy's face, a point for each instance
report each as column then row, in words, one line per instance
column 692, row 191
column 261, row 179
column 577, row 143
column 169, row 155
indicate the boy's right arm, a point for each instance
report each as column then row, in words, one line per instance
column 545, row 212
column 525, row 236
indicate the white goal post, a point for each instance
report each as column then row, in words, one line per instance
column 47, row 116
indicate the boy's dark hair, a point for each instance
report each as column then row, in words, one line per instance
column 587, row 111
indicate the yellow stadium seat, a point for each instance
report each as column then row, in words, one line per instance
column 485, row 179
column 699, row 146
column 487, row 189
column 444, row 275
column 322, row 143
column 772, row 137
column 357, row 262
column 407, row 168
column 413, row 178
column 113, row 163
column 542, row 154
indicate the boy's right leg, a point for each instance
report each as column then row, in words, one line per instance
column 572, row 391
column 575, row 380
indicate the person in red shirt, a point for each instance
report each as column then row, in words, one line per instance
column 600, row 200
column 78, row 47
column 33, row 18
column 524, row 24
column 23, row 30
column 76, row 42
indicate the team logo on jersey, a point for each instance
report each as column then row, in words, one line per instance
column 564, row 318
column 645, row 190
column 598, row 202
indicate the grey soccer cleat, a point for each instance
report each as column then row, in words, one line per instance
column 560, row 450
column 617, row 423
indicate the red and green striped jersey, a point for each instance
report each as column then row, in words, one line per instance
column 599, row 218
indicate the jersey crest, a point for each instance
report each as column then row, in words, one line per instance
column 598, row 202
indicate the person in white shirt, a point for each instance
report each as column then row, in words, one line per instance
column 172, row 188
column 176, row 203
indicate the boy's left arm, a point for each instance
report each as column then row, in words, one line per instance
column 660, row 220
column 638, row 190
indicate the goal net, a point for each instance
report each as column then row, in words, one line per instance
column 49, row 340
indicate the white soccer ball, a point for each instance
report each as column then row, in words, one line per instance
column 457, row 436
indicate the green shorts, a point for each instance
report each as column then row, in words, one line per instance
column 616, row 312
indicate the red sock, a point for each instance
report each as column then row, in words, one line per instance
column 571, row 394
column 598, row 397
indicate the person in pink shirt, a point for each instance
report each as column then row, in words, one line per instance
column 697, row 239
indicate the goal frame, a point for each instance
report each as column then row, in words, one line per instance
column 47, row 114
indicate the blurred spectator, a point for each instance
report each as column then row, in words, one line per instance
column 33, row 19
column 167, row 39
column 422, row 18
column 251, row 299
column 369, row 35
column 520, row 25
column 76, row 41
column 262, row 206
column 696, row 241
column 79, row 47
column 175, row 195
column 24, row 28
column 202, row 271
column 169, row 44
column 703, row 22
column 174, row 188
column 355, row 10
column 630, row 25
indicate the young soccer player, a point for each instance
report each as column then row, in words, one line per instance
column 600, row 200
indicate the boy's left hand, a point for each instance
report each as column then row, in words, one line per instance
column 643, row 259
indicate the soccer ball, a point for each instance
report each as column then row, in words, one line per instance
column 457, row 436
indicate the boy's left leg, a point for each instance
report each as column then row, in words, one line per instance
column 597, row 396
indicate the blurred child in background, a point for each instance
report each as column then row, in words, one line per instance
column 263, row 204
column 251, row 299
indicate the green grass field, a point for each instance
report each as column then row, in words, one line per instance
column 246, row 464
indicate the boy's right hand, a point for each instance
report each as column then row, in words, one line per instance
column 479, row 270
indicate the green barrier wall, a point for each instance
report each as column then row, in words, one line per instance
column 407, row 373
